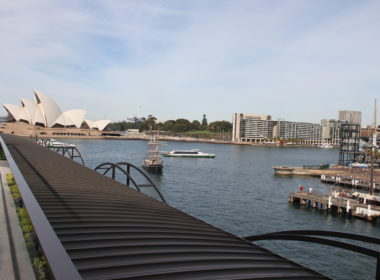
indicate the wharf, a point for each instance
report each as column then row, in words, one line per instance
column 349, row 181
column 340, row 205
column 291, row 170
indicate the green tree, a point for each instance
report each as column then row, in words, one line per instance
column 168, row 125
column 148, row 123
column 196, row 125
column 182, row 125
column 219, row 126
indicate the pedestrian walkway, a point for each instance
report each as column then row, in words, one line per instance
column 14, row 259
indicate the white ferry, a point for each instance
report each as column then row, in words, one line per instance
column 54, row 143
column 195, row 153
column 326, row 146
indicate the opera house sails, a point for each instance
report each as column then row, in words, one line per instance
column 44, row 111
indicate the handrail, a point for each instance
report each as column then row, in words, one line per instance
column 344, row 235
column 107, row 166
column 60, row 149
column 60, row 264
column 64, row 150
column 303, row 235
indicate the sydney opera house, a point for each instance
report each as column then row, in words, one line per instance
column 44, row 116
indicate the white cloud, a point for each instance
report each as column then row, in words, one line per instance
column 292, row 59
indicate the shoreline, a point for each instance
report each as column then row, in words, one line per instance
column 177, row 139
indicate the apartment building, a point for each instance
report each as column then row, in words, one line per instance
column 251, row 126
column 331, row 131
column 354, row 117
column 260, row 128
column 309, row 133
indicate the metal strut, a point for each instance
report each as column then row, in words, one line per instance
column 304, row 235
column 126, row 168
column 71, row 152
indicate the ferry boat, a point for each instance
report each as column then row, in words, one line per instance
column 195, row 153
column 54, row 143
column 326, row 146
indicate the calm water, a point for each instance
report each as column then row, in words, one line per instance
column 238, row 192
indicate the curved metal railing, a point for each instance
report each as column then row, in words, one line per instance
column 126, row 168
column 72, row 152
column 304, row 235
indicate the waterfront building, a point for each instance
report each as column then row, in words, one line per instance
column 354, row 117
column 252, row 127
column 260, row 128
column 330, row 131
column 307, row 133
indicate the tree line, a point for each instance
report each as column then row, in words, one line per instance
column 175, row 126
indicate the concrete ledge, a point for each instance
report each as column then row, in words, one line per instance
column 23, row 263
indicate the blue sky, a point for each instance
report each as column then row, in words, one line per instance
column 296, row 60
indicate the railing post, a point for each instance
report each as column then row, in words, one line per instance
column 113, row 172
column 129, row 173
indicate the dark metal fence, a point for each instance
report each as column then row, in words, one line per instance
column 126, row 168
column 60, row 264
column 308, row 236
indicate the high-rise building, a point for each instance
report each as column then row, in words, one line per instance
column 257, row 128
column 251, row 126
column 298, row 130
column 330, row 131
column 354, row 117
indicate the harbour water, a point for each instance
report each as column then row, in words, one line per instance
column 239, row 193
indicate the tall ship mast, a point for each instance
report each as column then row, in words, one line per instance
column 153, row 160
column 373, row 152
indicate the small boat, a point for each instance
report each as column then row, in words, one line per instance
column 153, row 161
column 326, row 146
column 195, row 153
column 54, row 143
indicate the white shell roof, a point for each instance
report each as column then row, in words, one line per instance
column 13, row 110
column 100, row 124
column 46, row 111
column 71, row 117
column 31, row 109
column 50, row 109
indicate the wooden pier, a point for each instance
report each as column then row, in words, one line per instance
column 349, row 181
column 337, row 204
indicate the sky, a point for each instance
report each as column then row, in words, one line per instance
column 292, row 59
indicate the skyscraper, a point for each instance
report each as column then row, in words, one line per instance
column 354, row 117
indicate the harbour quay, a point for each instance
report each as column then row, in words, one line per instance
column 357, row 182
column 358, row 179
column 336, row 202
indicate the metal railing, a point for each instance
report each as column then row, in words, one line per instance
column 126, row 168
column 309, row 236
column 59, row 262
column 71, row 152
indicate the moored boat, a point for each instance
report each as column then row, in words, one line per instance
column 54, row 143
column 326, row 146
column 195, row 153
column 153, row 161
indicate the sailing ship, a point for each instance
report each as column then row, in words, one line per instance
column 153, row 161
